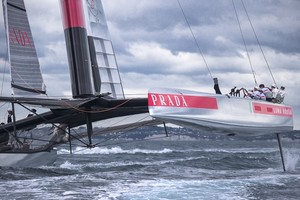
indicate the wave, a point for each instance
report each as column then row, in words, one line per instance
column 114, row 165
column 249, row 187
column 114, row 150
column 68, row 165
column 119, row 150
column 243, row 150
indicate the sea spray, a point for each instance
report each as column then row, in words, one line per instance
column 114, row 150
column 292, row 157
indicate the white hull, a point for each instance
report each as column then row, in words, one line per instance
column 32, row 159
column 213, row 111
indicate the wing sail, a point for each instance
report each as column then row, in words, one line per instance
column 104, row 66
column 26, row 76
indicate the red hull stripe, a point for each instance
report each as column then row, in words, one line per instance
column 73, row 14
column 267, row 109
column 182, row 101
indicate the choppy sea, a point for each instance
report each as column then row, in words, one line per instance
column 155, row 168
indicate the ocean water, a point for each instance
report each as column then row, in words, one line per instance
column 163, row 168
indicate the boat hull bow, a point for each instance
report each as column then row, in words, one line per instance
column 213, row 111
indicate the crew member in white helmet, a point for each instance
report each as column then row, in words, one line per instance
column 256, row 93
column 266, row 92
column 280, row 95
column 274, row 90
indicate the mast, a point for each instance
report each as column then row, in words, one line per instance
column 92, row 62
column 77, row 48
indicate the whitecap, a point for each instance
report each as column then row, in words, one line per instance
column 114, row 150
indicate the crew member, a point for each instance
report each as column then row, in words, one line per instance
column 216, row 86
column 280, row 95
column 232, row 91
column 10, row 114
column 266, row 92
column 256, row 94
column 274, row 90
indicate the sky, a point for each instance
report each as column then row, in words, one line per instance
column 154, row 46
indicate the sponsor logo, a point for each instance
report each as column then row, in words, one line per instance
column 19, row 37
column 182, row 101
column 268, row 109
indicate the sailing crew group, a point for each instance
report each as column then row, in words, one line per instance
column 271, row 94
column 261, row 92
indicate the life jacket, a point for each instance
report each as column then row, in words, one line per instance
column 274, row 92
column 267, row 92
column 262, row 96
column 256, row 95
column 280, row 96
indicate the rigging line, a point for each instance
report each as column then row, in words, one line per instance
column 34, row 138
column 77, row 136
column 12, row 135
column 115, row 137
column 53, row 124
column 25, row 82
column 98, row 111
column 3, row 104
column 237, row 17
column 132, row 128
column 153, row 138
column 71, row 136
column 4, row 117
column 197, row 44
column 258, row 43
column 113, row 124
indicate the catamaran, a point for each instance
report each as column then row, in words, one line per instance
column 215, row 111
column 96, row 85
column 98, row 93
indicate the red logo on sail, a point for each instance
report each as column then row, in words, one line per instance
column 183, row 101
column 17, row 36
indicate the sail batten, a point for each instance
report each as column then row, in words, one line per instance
column 26, row 76
column 102, row 52
column 17, row 7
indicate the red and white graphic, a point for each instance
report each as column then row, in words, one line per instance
column 268, row 109
column 183, row 101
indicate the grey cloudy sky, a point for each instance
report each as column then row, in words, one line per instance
column 154, row 46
